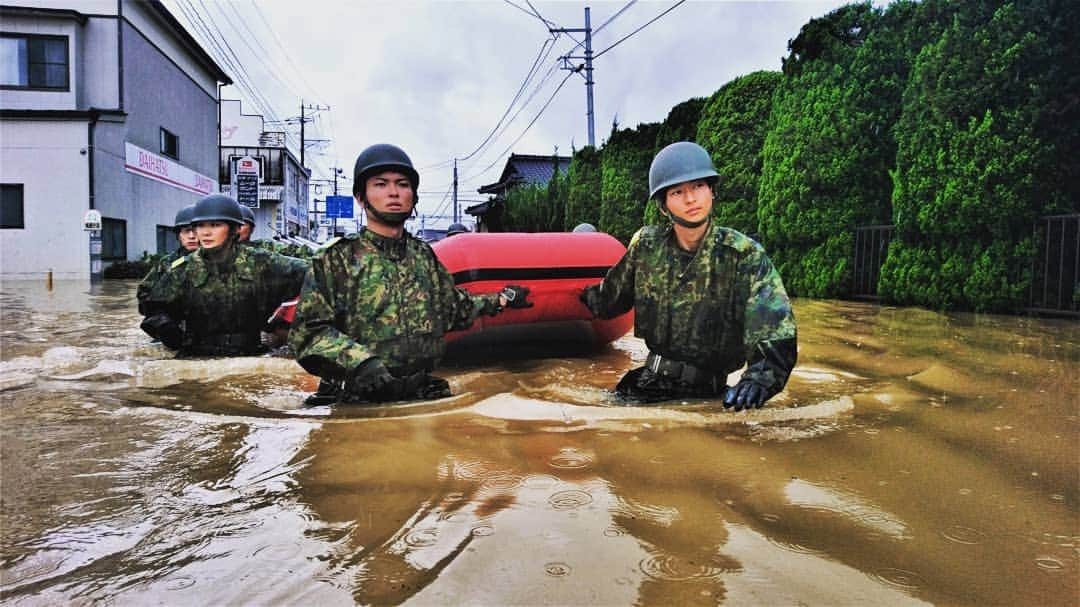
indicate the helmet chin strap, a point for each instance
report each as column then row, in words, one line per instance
column 391, row 218
column 683, row 222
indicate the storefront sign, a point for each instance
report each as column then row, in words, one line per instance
column 164, row 170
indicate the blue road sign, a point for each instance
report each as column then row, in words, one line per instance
column 339, row 207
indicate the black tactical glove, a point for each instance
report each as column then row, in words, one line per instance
column 590, row 296
column 163, row 328
column 515, row 296
column 745, row 395
column 369, row 377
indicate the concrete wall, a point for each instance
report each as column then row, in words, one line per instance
column 47, row 158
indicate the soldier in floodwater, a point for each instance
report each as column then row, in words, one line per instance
column 376, row 303
column 216, row 301
column 706, row 299
column 189, row 241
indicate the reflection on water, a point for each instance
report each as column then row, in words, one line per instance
column 915, row 458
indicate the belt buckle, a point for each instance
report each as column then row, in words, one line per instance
column 655, row 365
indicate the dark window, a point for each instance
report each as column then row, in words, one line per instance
column 170, row 144
column 113, row 239
column 11, row 205
column 165, row 240
column 34, row 62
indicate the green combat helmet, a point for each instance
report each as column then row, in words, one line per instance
column 584, row 227
column 183, row 218
column 249, row 215
column 217, row 207
column 456, row 228
column 677, row 163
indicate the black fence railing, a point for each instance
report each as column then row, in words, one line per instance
column 871, row 247
column 1055, row 287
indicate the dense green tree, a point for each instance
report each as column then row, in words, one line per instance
column 980, row 155
column 624, row 171
column 583, row 195
column 732, row 128
column 538, row 207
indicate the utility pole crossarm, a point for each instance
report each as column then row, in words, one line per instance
column 588, row 57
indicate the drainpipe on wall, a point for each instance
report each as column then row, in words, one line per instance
column 96, row 271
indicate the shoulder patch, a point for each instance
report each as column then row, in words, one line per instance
column 179, row 261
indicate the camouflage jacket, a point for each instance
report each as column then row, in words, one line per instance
column 716, row 308
column 234, row 296
column 281, row 248
column 155, row 274
column 367, row 295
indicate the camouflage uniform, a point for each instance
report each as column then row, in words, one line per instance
column 716, row 309
column 281, row 248
column 367, row 296
column 154, row 275
column 224, row 305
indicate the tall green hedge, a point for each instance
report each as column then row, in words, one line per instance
column 732, row 128
column 977, row 160
column 624, row 174
column 583, row 197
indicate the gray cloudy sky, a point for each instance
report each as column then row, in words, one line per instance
column 436, row 77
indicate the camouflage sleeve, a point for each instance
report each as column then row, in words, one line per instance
column 320, row 347
column 769, row 331
column 165, row 295
column 142, row 293
column 459, row 307
column 616, row 295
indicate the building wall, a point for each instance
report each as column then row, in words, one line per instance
column 100, row 65
column 45, row 100
column 47, row 158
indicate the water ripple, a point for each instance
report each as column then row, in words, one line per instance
column 569, row 499
column 898, row 578
column 677, row 569
column 557, row 569
column 963, row 535
column 569, row 458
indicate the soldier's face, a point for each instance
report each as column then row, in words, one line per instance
column 212, row 234
column 389, row 191
column 690, row 200
column 189, row 240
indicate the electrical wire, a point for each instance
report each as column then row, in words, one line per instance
column 648, row 23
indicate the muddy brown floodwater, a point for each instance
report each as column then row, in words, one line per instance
column 915, row 457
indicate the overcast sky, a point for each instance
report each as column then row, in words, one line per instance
column 436, row 77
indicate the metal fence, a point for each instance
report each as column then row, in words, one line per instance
column 1055, row 288
column 871, row 247
column 1056, row 283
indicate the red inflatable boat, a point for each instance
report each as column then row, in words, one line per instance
column 555, row 266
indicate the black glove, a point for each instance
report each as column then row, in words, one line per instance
column 590, row 296
column 745, row 395
column 515, row 296
column 162, row 327
column 369, row 377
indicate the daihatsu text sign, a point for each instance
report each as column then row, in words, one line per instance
column 152, row 166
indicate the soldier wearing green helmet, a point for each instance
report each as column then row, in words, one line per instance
column 216, row 301
column 706, row 298
column 376, row 304
column 188, row 242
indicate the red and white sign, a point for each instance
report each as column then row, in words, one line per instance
column 247, row 165
column 152, row 166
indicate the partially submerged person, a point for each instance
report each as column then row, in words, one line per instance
column 187, row 240
column 216, row 301
column 706, row 298
column 376, row 304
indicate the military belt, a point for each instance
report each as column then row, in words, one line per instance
column 679, row 370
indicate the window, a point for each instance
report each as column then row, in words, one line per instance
column 165, row 240
column 11, row 206
column 34, row 62
column 170, row 145
column 113, row 239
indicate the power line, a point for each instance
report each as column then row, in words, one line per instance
column 648, row 23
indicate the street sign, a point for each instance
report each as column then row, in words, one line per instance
column 247, row 164
column 92, row 220
column 339, row 207
column 247, row 189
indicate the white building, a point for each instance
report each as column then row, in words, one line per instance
column 283, row 182
column 104, row 104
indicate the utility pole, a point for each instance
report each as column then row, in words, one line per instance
column 304, row 120
column 587, row 66
column 455, row 192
